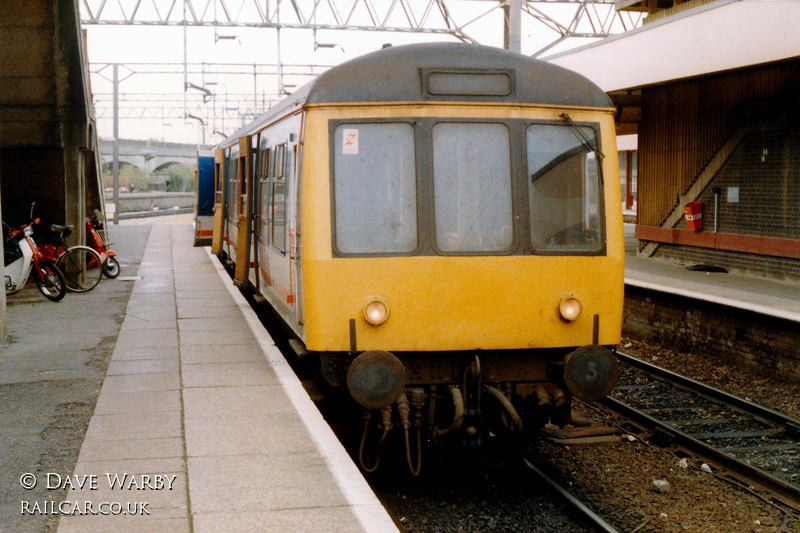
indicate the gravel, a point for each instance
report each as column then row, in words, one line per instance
column 470, row 494
column 765, row 389
column 623, row 481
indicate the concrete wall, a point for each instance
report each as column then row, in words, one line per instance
column 149, row 201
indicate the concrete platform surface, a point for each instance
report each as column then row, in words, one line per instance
column 768, row 297
column 201, row 425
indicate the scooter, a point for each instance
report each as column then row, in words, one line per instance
column 22, row 256
column 96, row 238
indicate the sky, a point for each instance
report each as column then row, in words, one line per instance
column 218, row 103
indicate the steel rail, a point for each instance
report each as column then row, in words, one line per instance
column 782, row 491
column 586, row 513
column 791, row 425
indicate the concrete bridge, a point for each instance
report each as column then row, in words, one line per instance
column 149, row 155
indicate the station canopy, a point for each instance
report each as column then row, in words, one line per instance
column 709, row 38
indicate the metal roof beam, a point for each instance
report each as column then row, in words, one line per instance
column 567, row 18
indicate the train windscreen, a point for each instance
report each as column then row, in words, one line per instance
column 564, row 190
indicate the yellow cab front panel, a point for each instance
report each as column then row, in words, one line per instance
column 441, row 296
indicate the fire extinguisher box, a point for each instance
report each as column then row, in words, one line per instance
column 693, row 211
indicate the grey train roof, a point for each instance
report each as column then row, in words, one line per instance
column 396, row 74
column 393, row 75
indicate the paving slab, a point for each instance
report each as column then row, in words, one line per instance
column 210, row 354
column 253, row 401
column 153, row 381
column 215, row 487
column 110, row 403
column 141, row 366
column 134, row 352
column 143, row 448
column 127, row 426
column 236, row 375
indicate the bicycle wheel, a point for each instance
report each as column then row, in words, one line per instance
column 52, row 286
column 81, row 267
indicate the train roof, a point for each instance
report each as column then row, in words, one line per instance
column 431, row 72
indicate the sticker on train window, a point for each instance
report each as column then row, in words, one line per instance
column 350, row 142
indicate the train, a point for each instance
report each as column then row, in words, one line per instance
column 439, row 226
column 204, row 181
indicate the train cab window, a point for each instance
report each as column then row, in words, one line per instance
column 472, row 187
column 375, row 192
column 564, row 190
column 278, row 219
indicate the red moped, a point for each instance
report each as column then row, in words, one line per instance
column 97, row 238
column 22, row 256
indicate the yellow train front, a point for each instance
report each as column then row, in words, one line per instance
column 440, row 225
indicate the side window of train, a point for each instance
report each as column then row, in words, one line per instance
column 242, row 163
column 278, row 224
column 233, row 164
column 565, row 193
column 472, row 187
column 374, row 188
column 264, row 189
column 229, row 185
column 218, row 174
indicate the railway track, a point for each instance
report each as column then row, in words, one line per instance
column 747, row 443
column 580, row 511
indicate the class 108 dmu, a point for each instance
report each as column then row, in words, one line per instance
column 440, row 226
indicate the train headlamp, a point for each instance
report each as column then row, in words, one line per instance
column 570, row 308
column 376, row 311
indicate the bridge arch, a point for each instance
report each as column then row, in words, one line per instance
column 166, row 165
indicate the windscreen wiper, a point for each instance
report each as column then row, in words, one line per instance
column 585, row 140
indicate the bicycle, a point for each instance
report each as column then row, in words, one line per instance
column 81, row 265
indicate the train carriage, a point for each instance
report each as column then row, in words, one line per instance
column 437, row 220
column 204, row 206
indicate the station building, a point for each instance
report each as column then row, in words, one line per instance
column 711, row 90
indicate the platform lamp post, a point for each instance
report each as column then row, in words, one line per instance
column 115, row 81
column 115, row 168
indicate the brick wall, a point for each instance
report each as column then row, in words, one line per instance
column 765, row 345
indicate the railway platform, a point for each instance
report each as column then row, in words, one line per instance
column 766, row 297
column 201, row 425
